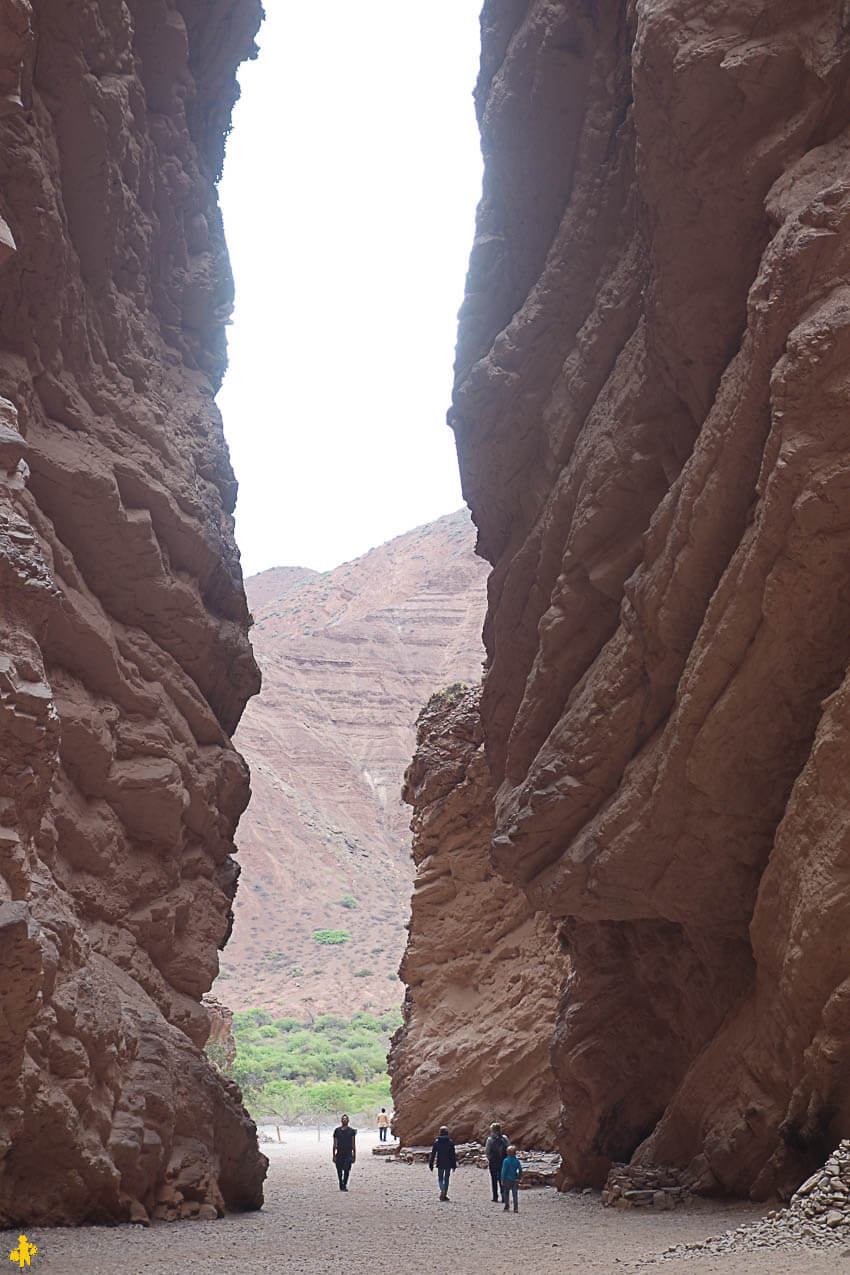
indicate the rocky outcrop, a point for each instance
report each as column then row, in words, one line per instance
column 221, row 1045
column 483, row 969
column 650, row 412
column 124, row 663
column 349, row 656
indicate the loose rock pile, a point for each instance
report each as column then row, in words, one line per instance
column 646, row 1186
column 818, row 1215
column 466, row 1152
column 539, row 1168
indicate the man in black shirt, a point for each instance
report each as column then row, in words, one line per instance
column 345, row 1151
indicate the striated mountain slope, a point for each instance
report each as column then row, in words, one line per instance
column 348, row 659
column 124, row 663
column 651, row 417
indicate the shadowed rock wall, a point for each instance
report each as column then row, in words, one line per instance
column 483, row 970
column 124, row 661
column 651, row 417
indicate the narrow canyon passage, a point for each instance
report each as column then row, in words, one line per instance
column 391, row 1221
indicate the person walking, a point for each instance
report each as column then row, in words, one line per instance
column 345, row 1151
column 443, row 1151
column 383, row 1124
column 495, row 1149
column 511, row 1174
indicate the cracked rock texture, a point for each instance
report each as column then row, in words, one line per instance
column 124, row 661
column 651, row 413
column 482, row 968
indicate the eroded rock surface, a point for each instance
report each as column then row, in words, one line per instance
column 483, row 969
column 124, row 662
column 651, row 416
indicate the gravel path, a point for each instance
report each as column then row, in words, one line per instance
column 390, row 1222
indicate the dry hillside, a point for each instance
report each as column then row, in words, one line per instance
column 348, row 658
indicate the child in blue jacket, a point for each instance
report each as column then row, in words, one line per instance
column 511, row 1174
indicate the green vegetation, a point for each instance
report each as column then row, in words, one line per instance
column 348, row 901
column 364, row 973
column 444, row 698
column 298, row 1071
column 330, row 938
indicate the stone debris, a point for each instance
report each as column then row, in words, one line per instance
column 539, row 1168
column 658, row 1186
column 466, row 1152
column 817, row 1216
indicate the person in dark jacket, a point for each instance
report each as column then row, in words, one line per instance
column 443, row 1151
column 495, row 1149
column 345, row 1151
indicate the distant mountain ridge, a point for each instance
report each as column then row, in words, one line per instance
column 348, row 658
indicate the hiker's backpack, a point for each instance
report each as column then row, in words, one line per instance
column 498, row 1149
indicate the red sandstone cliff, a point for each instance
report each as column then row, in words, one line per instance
column 348, row 656
column 483, row 970
column 651, row 416
column 125, row 663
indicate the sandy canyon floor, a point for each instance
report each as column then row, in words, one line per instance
column 391, row 1221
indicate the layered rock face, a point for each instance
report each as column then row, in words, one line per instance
column 125, row 663
column 483, row 970
column 349, row 656
column 650, row 411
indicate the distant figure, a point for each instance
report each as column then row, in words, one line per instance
column 511, row 1174
column 345, row 1151
column 443, row 1151
column 383, row 1124
column 495, row 1149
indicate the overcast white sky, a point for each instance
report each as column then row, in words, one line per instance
column 349, row 194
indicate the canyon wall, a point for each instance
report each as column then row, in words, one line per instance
column 651, row 411
column 483, row 969
column 125, row 663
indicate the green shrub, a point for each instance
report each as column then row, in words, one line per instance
column 348, row 901
column 446, row 696
column 331, row 938
column 251, row 1018
column 364, row 973
column 330, row 1023
column 299, row 1071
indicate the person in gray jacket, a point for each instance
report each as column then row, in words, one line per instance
column 495, row 1149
